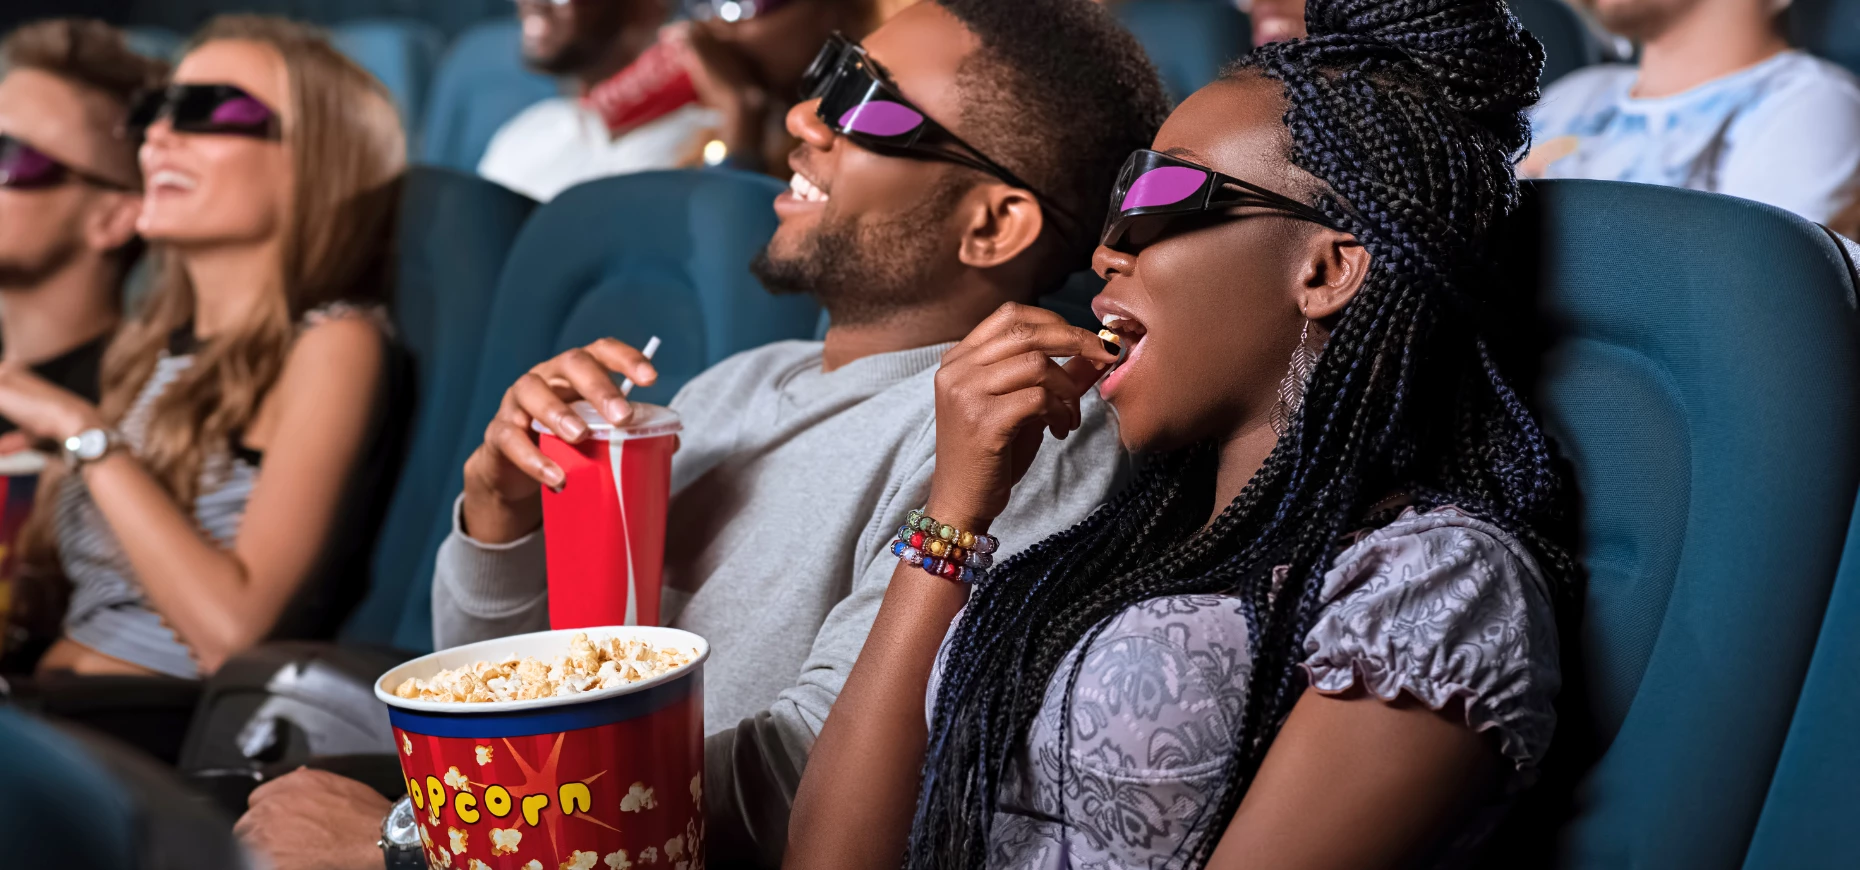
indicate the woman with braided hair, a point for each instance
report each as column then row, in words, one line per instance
column 1320, row 630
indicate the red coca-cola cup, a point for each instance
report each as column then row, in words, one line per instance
column 605, row 531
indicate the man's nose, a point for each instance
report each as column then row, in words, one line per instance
column 804, row 124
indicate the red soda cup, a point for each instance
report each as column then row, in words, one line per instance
column 654, row 85
column 605, row 531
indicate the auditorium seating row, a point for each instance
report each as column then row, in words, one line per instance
column 1708, row 709
column 454, row 96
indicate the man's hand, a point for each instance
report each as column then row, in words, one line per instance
column 315, row 820
column 505, row 475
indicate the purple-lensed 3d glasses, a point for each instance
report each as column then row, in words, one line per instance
column 217, row 109
column 1154, row 189
column 858, row 101
column 23, row 167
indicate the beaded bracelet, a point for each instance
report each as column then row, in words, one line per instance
column 944, row 550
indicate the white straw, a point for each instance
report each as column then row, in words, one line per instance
column 652, row 347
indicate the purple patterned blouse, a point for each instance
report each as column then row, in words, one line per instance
column 1442, row 606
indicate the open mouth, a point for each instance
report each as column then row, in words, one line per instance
column 805, row 189
column 1124, row 332
column 171, row 181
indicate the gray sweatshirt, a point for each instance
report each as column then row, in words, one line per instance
column 788, row 486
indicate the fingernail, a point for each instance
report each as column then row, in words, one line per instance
column 572, row 426
column 650, row 374
column 618, row 410
column 553, row 475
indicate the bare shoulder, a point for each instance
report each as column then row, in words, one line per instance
column 339, row 354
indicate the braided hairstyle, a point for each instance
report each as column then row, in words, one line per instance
column 1408, row 113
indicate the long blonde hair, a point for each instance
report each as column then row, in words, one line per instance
column 348, row 151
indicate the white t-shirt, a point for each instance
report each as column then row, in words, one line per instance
column 557, row 144
column 1785, row 131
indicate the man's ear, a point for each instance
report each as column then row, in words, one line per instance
column 1333, row 272
column 1003, row 223
column 112, row 222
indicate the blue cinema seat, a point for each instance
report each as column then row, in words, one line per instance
column 455, row 233
column 58, row 807
column 481, row 84
column 1697, row 361
column 1188, row 40
column 401, row 53
column 1830, row 28
column 1569, row 44
column 659, row 253
column 157, row 42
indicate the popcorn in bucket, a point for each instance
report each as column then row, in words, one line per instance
column 575, row 749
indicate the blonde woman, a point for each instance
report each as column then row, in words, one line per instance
column 241, row 407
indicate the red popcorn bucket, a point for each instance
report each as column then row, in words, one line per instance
column 604, row 779
column 605, row 531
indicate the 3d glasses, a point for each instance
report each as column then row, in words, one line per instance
column 1154, row 190
column 214, row 109
column 23, row 167
column 858, row 101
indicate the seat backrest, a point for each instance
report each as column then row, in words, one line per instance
column 401, row 53
column 659, row 253
column 481, row 84
column 1700, row 359
column 157, row 42
column 1830, row 28
column 455, row 233
column 1188, row 40
column 1569, row 44
column 58, row 807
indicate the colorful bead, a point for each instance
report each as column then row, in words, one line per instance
column 927, row 524
column 986, row 543
column 917, row 540
column 966, row 540
column 951, row 570
column 955, row 554
column 968, row 575
column 946, row 532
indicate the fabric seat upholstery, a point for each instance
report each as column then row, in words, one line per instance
column 402, row 54
column 659, row 253
column 481, row 83
column 455, row 232
column 1700, row 359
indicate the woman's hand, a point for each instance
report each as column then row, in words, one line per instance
column 41, row 409
column 504, row 476
column 996, row 395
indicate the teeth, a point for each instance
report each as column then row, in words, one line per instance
column 1111, row 321
column 805, row 190
column 171, row 178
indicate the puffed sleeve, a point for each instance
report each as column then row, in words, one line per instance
column 1448, row 609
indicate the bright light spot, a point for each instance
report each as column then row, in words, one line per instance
column 730, row 10
column 715, row 152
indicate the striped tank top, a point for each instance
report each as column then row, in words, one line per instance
column 108, row 611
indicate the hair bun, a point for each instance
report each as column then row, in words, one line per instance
column 1483, row 60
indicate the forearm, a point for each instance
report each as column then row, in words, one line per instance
column 201, row 590
column 487, row 590
column 857, row 797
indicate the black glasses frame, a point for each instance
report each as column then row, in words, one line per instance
column 1219, row 193
column 189, row 108
column 843, row 76
column 61, row 171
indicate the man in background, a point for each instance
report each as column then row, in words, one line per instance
column 710, row 90
column 799, row 460
column 70, row 193
column 1720, row 103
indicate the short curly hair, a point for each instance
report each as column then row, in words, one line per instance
column 1062, row 94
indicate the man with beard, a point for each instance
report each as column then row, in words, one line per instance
column 70, row 193
column 1720, row 102
column 630, row 114
column 801, row 459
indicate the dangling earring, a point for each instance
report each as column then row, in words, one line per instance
column 1292, row 389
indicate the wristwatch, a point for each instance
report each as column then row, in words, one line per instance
column 90, row 445
column 400, row 838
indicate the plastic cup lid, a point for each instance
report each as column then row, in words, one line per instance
column 648, row 421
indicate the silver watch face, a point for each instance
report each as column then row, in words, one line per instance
column 400, row 828
column 88, row 445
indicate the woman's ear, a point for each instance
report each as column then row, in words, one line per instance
column 1334, row 271
column 1003, row 223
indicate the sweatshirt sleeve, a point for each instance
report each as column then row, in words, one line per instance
column 752, row 771
column 483, row 591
